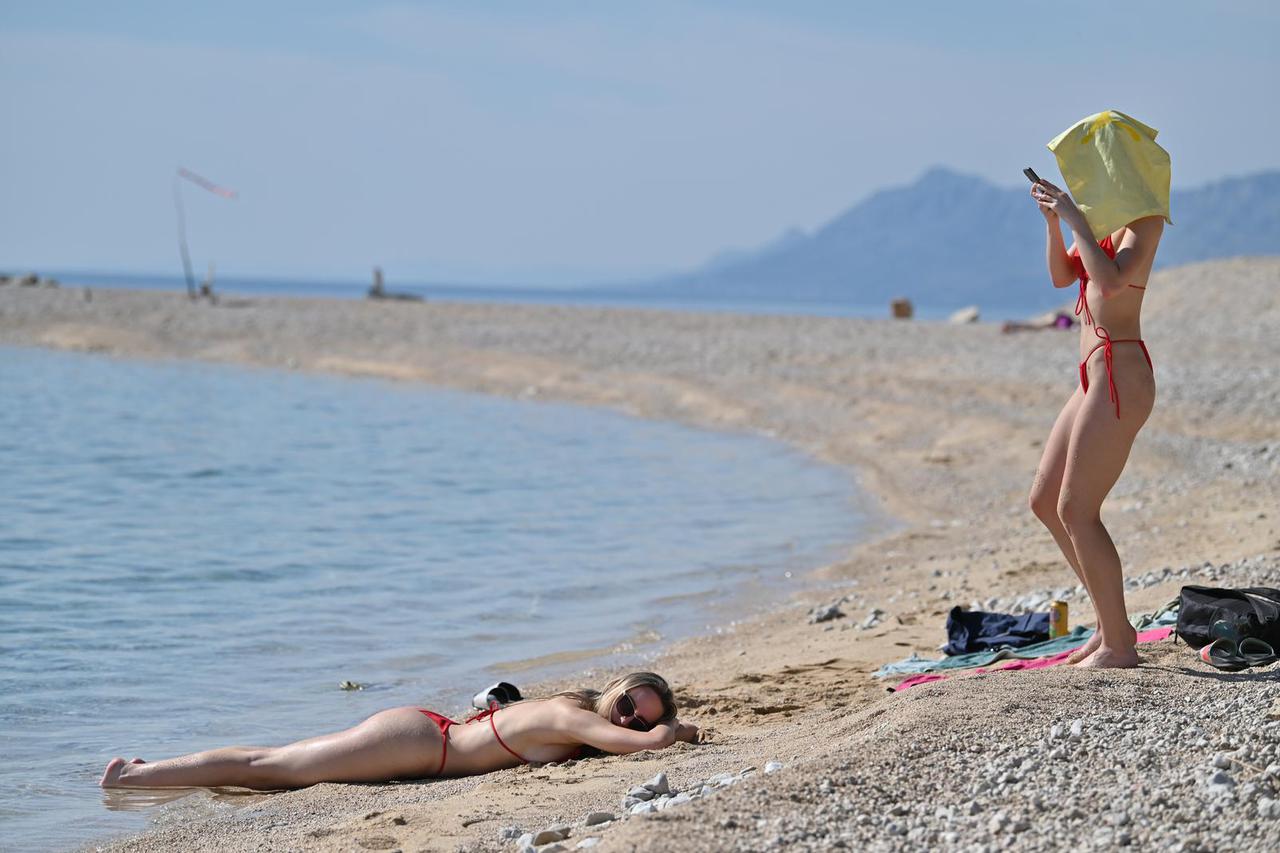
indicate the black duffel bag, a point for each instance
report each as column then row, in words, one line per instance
column 1250, row 612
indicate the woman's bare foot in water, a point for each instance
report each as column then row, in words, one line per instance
column 1106, row 657
column 111, row 777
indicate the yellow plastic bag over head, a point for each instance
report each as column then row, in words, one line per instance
column 1114, row 170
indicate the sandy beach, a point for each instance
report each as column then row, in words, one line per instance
column 943, row 426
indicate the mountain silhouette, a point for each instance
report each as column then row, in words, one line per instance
column 951, row 239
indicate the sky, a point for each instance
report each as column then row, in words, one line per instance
column 557, row 143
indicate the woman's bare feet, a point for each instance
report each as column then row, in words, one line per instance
column 1108, row 658
column 1090, row 646
column 112, row 777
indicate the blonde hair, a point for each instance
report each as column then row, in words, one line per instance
column 602, row 701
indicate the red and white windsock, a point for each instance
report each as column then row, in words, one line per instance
column 205, row 183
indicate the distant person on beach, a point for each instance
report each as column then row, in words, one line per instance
column 632, row 713
column 1058, row 320
column 1119, row 181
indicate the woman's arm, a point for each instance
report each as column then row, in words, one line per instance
column 1134, row 255
column 1061, row 271
column 594, row 730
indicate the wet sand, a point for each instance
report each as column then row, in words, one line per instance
column 944, row 426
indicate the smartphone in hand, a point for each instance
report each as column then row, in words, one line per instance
column 1032, row 176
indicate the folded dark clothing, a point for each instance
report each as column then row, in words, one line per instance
column 975, row 631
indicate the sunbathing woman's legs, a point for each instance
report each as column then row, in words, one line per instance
column 1096, row 455
column 400, row 743
column 1044, row 499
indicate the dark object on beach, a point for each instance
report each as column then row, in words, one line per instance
column 350, row 685
column 901, row 309
column 1206, row 614
column 206, row 287
column 29, row 280
column 1229, row 655
column 497, row 695
column 377, row 291
column 977, row 631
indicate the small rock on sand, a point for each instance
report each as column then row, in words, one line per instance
column 551, row 834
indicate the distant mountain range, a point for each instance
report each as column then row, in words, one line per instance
column 950, row 240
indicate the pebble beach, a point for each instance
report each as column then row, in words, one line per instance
column 943, row 425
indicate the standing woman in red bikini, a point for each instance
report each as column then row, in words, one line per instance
column 1117, row 208
column 633, row 713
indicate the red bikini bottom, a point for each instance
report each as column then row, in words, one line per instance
column 1105, row 346
column 444, row 723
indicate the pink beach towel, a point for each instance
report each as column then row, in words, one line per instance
column 1152, row 636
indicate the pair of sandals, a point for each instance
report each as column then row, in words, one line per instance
column 1231, row 653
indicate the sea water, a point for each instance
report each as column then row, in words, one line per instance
column 195, row 555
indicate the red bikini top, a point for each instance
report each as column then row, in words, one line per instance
column 1106, row 244
column 1082, row 302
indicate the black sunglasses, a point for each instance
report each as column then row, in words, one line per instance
column 627, row 708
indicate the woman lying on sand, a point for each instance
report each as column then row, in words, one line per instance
column 1120, row 178
column 633, row 713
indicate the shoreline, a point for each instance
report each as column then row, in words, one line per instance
column 940, row 423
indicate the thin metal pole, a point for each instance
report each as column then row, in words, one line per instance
column 182, row 238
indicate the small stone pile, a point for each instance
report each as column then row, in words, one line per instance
column 649, row 797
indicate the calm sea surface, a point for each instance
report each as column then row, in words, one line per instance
column 194, row 555
column 1014, row 305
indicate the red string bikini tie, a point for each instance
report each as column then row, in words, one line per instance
column 1106, row 347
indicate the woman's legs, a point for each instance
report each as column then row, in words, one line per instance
column 401, row 743
column 1096, row 455
column 1044, row 499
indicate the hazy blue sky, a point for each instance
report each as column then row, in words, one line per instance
column 553, row 141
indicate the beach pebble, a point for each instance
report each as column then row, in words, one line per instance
column 642, row 808
column 640, row 792
column 772, row 766
column 594, row 818
column 1221, row 781
column 1056, row 731
column 553, row 847
column 589, row 841
column 558, row 832
column 507, row 833
column 1222, row 761
column 1268, row 808
column 657, row 785
column 525, row 842
column 1077, row 729
column 825, row 613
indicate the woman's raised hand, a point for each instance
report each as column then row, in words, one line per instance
column 1054, row 202
column 1041, row 197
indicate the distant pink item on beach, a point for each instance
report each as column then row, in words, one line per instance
column 1152, row 636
